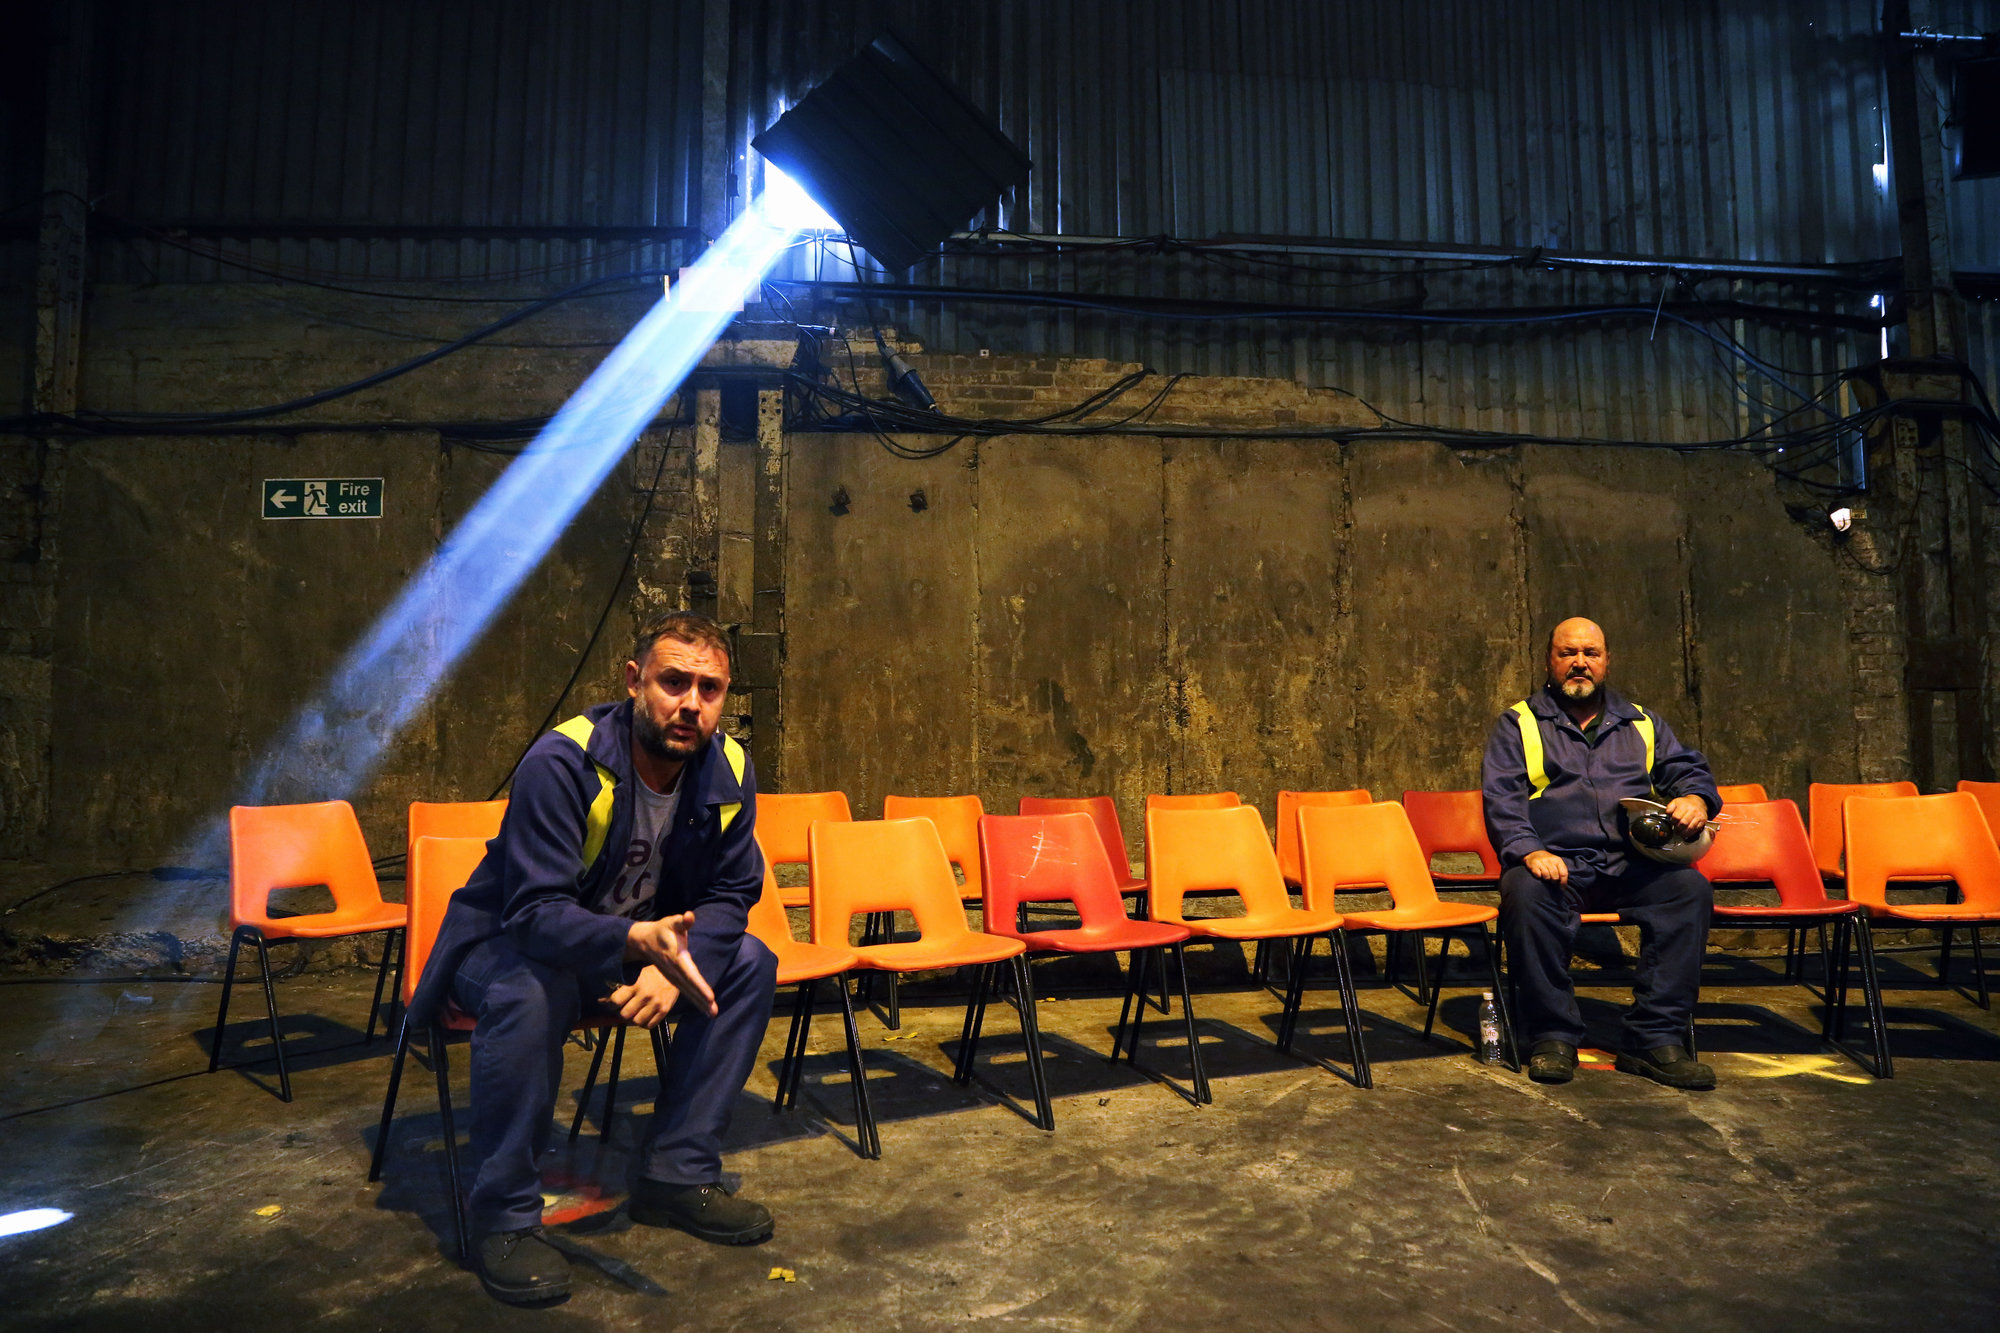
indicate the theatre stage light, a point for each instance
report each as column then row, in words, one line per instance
column 896, row 154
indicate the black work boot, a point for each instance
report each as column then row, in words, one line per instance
column 706, row 1211
column 521, row 1268
column 1671, row 1065
column 1552, row 1062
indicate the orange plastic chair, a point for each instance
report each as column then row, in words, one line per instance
column 1823, row 803
column 1988, row 796
column 1205, row 800
column 1289, row 805
column 440, row 867
column 274, row 847
column 1103, row 812
column 957, row 820
column 1061, row 858
column 1226, row 851
column 782, row 821
column 1764, row 842
column 1453, row 821
column 1742, row 793
column 1931, row 838
column 1351, row 846
column 457, row 819
column 806, row 965
column 892, row 865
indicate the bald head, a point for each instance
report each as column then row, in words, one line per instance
column 1578, row 661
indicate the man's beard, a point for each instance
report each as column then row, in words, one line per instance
column 1579, row 689
column 652, row 738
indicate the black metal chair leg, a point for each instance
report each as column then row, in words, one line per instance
column 271, row 1006
column 1350, row 1011
column 1288, row 1020
column 866, row 1136
column 1871, row 997
column 1031, row 1037
column 808, row 993
column 1423, row 971
column 1836, row 1001
column 228, row 981
column 1134, row 980
column 589, row 1082
column 975, row 1020
column 440, row 1064
column 381, row 978
column 389, row 1102
column 1198, row 1072
column 1979, row 969
column 611, row 1084
column 1142, row 962
column 801, row 1008
column 1437, row 991
column 1944, row 955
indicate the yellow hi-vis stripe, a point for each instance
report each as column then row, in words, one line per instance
column 734, row 754
column 597, row 824
column 1537, row 765
column 1531, row 749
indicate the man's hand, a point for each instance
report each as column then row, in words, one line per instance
column 1549, row 866
column 663, row 943
column 647, row 1000
column 1689, row 813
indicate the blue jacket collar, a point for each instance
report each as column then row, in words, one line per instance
column 611, row 745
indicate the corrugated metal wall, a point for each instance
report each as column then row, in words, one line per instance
column 1693, row 128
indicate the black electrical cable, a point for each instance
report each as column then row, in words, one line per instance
column 597, row 630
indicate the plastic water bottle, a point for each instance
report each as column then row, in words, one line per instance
column 1489, row 1030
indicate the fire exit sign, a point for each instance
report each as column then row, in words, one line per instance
column 322, row 497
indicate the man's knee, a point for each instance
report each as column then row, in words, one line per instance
column 1523, row 893
column 1684, row 890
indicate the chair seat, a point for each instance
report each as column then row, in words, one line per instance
column 1108, row 938
column 952, row 951
column 799, row 961
column 1934, row 912
column 1431, row 916
column 329, row 925
column 1831, row 907
column 1266, row 925
column 1473, row 879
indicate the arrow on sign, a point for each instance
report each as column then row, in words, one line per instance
column 279, row 499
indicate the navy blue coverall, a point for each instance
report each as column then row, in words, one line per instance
column 522, row 953
column 1577, row 818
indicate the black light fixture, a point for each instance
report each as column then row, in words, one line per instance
column 898, row 156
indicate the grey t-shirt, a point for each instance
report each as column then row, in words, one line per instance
column 631, row 891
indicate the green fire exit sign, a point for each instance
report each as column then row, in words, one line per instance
column 322, row 497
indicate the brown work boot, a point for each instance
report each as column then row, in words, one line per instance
column 1552, row 1061
column 706, row 1211
column 1671, row 1065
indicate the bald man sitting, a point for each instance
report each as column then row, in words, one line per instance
column 1556, row 765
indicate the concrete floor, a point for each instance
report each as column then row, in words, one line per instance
column 1801, row 1193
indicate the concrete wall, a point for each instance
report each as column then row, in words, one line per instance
column 1128, row 615
column 1117, row 614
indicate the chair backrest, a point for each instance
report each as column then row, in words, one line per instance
column 782, row 821
column 882, row 865
column 1765, row 842
column 296, row 846
column 1103, row 812
column 957, row 820
column 1211, row 851
column 1823, row 802
column 1289, row 805
column 1352, row 845
column 1455, row 822
column 1200, row 800
column 1988, row 796
column 1742, row 793
column 784, row 817
column 453, row 819
column 439, row 867
column 767, row 920
column 1047, row 859
column 1921, row 837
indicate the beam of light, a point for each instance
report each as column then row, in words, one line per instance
column 32, row 1219
column 336, row 740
